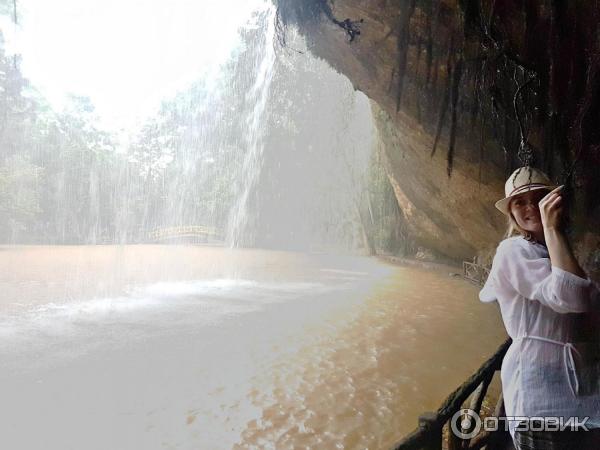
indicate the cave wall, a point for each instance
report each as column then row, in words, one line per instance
column 442, row 76
column 454, row 216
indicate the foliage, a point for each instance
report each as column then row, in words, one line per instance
column 63, row 179
column 19, row 196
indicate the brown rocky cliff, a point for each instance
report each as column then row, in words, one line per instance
column 444, row 74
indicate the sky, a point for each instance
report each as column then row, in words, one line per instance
column 125, row 55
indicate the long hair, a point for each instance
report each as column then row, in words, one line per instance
column 514, row 229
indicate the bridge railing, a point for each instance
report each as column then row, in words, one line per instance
column 159, row 234
column 184, row 231
column 429, row 433
column 475, row 273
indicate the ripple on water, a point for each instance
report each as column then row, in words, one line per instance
column 343, row 360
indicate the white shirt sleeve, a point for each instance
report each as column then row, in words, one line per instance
column 488, row 293
column 536, row 279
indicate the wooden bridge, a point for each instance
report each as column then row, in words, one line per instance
column 194, row 233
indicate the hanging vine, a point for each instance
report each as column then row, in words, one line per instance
column 446, row 98
column 429, row 42
column 525, row 150
column 456, row 77
column 406, row 11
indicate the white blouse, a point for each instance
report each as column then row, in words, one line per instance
column 549, row 369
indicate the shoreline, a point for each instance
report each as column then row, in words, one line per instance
column 454, row 270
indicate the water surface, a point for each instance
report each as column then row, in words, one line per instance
column 181, row 347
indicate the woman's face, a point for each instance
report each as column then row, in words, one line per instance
column 525, row 210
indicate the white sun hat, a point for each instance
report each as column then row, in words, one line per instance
column 522, row 180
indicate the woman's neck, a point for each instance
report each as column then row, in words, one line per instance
column 539, row 237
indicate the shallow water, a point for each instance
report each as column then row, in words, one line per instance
column 130, row 347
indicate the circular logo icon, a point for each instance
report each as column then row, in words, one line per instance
column 464, row 420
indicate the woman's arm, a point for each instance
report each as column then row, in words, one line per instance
column 557, row 282
column 560, row 252
column 517, row 268
column 561, row 255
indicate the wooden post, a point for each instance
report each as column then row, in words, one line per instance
column 476, row 402
column 454, row 442
column 428, row 423
column 499, row 410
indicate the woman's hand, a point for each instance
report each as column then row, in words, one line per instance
column 561, row 254
column 551, row 209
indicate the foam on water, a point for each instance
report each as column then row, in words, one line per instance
column 209, row 301
column 226, row 287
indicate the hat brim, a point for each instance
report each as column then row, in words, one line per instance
column 502, row 205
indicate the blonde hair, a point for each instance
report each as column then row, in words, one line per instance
column 514, row 229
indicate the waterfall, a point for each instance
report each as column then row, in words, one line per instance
column 246, row 143
column 240, row 219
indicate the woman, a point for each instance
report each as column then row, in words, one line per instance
column 545, row 298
